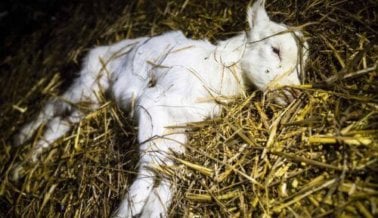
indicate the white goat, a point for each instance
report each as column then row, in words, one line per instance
column 170, row 80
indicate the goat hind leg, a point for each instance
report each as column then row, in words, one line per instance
column 60, row 113
column 28, row 130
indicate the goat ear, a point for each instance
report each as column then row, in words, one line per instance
column 256, row 15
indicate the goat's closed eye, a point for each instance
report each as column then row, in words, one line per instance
column 276, row 51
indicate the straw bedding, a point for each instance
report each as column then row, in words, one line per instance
column 317, row 157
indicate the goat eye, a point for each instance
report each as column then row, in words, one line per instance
column 276, row 51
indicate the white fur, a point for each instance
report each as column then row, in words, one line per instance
column 170, row 80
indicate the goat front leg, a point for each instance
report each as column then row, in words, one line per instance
column 160, row 198
column 150, row 194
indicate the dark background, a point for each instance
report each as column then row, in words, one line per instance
column 21, row 17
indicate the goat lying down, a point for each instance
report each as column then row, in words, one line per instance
column 170, row 80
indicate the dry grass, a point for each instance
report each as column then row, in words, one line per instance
column 318, row 157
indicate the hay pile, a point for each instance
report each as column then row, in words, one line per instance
column 317, row 157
